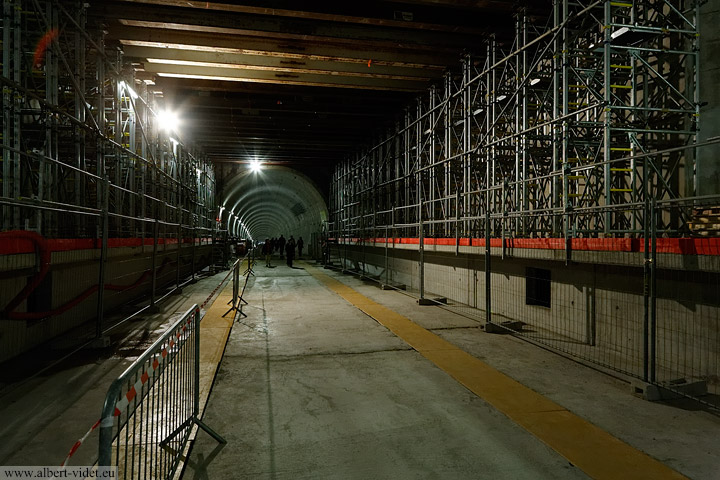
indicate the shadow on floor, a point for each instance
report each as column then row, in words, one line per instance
column 197, row 463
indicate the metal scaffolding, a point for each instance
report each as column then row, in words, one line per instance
column 577, row 135
column 88, row 163
column 560, row 133
column 81, row 139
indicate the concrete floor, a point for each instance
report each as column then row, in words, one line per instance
column 311, row 387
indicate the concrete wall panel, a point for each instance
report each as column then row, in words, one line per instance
column 597, row 310
column 74, row 272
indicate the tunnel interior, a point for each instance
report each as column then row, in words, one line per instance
column 546, row 170
column 270, row 202
column 509, row 157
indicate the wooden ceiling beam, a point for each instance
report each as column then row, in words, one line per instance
column 315, row 15
column 163, row 55
column 212, row 39
column 262, row 76
column 269, row 25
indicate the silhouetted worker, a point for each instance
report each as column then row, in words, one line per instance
column 325, row 250
column 300, row 244
column 290, row 251
column 267, row 251
column 281, row 245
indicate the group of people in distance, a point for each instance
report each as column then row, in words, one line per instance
column 286, row 247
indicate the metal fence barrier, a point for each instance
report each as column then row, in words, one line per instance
column 150, row 409
column 237, row 301
column 647, row 307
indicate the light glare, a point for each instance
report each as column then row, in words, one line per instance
column 255, row 166
column 125, row 86
column 168, row 120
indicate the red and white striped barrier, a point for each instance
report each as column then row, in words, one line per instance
column 132, row 393
column 212, row 294
column 124, row 402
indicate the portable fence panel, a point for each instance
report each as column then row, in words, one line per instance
column 684, row 307
column 148, row 411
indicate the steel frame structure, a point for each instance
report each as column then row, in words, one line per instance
column 84, row 154
column 80, row 136
column 561, row 133
column 583, row 127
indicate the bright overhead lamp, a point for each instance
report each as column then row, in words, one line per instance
column 255, row 166
column 534, row 81
column 168, row 120
column 501, row 97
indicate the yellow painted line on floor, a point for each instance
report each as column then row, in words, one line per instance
column 214, row 334
column 588, row 447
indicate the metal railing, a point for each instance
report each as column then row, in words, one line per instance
column 237, row 301
column 150, row 410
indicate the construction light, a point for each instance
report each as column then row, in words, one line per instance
column 534, row 81
column 255, row 166
column 501, row 98
column 168, row 120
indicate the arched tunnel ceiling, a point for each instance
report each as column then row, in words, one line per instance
column 300, row 84
column 276, row 200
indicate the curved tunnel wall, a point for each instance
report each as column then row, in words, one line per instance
column 274, row 201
